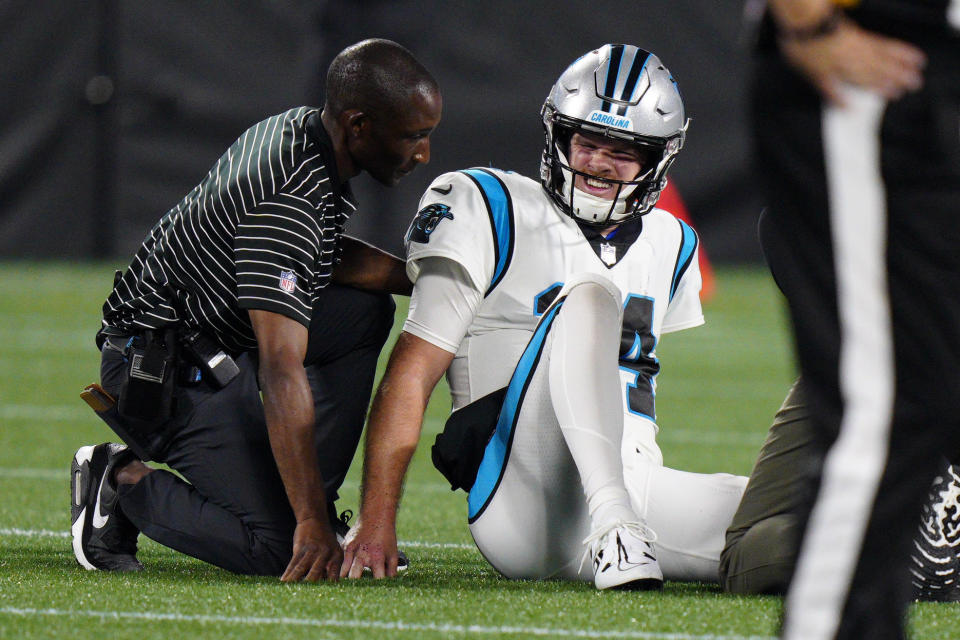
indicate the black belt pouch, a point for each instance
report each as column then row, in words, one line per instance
column 147, row 389
column 458, row 449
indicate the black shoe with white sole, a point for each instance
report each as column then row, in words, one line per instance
column 341, row 526
column 103, row 537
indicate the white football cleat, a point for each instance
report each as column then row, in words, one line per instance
column 623, row 557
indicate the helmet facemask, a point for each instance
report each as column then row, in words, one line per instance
column 633, row 198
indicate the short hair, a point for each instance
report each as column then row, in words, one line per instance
column 376, row 76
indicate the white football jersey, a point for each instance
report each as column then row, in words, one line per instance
column 519, row 249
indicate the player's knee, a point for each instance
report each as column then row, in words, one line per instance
column 593, row 290
column 762, row 559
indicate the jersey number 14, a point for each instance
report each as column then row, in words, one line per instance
column 637, row 345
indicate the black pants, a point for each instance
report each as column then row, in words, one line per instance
column 882, row 415
column 233, row 512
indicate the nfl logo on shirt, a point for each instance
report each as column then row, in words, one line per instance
column 288, row 281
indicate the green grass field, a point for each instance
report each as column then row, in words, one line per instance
column 719, row 387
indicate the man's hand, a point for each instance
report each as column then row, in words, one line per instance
column 316, row 553
column 855, row 56
column 374, row 548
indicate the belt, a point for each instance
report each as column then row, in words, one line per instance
column 117, row 343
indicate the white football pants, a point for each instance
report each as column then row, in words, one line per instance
column 559, row 456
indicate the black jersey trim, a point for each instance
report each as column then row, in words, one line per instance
column 500, row 211
column 688, row 248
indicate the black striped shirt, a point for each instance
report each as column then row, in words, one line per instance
column 260, row 232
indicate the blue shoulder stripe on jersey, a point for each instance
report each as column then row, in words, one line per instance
column 613, row 73
column 498, row 449
column 688, row 245
column 500, row 209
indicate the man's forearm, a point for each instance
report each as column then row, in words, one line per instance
column 288, row 405
column 366, row 267
column 799, row 14
column 392, row 436
column 395, row 420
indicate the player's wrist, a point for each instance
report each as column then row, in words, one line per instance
column 312, row 515
column 377, row 518
column 800, row 21
column 808, row 31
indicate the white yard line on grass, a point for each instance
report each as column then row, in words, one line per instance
column 64, row 474
column 33, row 533
column 415, row 544
column 45, row 412
column 72, row 413
column 36, row 474
column 679, row 436
column 367, row 624
column 711, row 438
column 13, row 532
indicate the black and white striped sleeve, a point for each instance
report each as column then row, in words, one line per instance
column 276, row 248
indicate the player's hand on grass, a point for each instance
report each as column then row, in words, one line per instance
column 316, row 553
column 372, row 547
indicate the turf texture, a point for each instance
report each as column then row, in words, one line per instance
column 718, row 389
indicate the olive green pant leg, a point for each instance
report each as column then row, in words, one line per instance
column 761, row 542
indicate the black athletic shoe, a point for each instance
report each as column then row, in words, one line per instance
column 934, row 562
column 103, row 538
column 341, row 526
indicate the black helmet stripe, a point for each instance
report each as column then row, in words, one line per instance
column 613, row 72
column 639, row 62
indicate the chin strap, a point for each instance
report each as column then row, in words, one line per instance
column 589, row 207
column 586, row 206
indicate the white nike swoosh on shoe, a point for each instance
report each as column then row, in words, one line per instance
column 625, row 565
column 99, row 520
column 77, row 531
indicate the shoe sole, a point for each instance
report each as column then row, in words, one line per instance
column 636, row 583
column 79, row 507
column 643, row 584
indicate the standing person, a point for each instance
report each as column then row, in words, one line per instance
column 543, row 303
column 252, row 265
column 856, row 119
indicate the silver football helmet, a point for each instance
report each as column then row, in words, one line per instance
column 620, row 92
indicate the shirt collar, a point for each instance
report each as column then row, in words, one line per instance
column 624, row 234
column 318, row 135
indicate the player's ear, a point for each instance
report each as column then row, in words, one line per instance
column 355, row 122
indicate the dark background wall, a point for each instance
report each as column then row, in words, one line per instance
column 113, row 110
